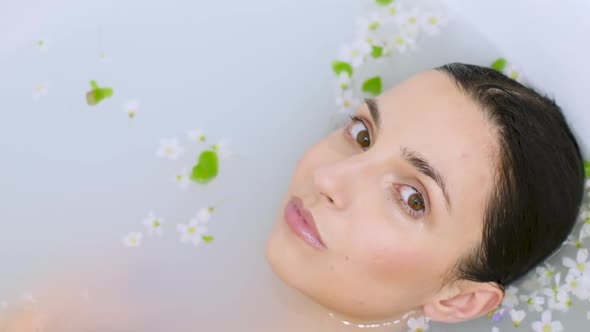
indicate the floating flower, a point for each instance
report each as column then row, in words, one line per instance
column 222, row 147
column 409, row 21
column 514, row 72
column 355, row 54
column 343, row 81
column 40, row 90
column 346, row 102
column 559, row 299
column 169, row 148
column 417, row 324
column 204, row 214
column 392, row 11
column 403, row 42
column 131, row 108
column 580, row 265
column 183, row 178
column 42, row 45
column 495, row 329
column 369, row 23
column 193, row 232
column 533, row 302
column 545, row 274
column 132, row 239
column 433, row 22
column 517, row 316
column 153, row 224
column 578, row 285
column 546, row 324
column 510, row 298
column 196, row 136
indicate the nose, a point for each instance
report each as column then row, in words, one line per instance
column 332, row 183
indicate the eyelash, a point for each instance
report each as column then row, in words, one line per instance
column 413, row 213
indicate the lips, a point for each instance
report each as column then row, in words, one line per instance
column 302, row 223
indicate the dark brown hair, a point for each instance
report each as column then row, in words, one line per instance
column 539, row 182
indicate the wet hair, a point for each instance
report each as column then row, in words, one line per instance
column 538, row 178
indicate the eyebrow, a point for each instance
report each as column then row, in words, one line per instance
column 412, row 157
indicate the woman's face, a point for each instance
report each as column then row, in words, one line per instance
column 397, row 199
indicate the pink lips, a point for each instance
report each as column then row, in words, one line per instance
column 301, row 222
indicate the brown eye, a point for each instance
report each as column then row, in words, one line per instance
column 411, row 200
column 416, row 202
column 360, row 133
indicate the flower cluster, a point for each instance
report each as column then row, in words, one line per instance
column 390, row 27
column 195, row 231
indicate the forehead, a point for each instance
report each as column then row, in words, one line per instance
column 429, row 114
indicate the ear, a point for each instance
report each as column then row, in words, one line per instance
column 465, row 300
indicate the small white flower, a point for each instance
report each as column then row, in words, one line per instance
column 514, row 72
column 343, row 81
column 409, row 21
column 42, row 45
column 578, row 285
column 546, row 325
column 370, row 23
column 533, row 302
column 393, row 11
column 131, row 108
column 153, row 224
column 196, row 136
column 517, row 316
column 433, row 22
column 40, row 90
column 418, row 324
column 355, row 54
column 192, row 232
column 222, row 147
column 510, row 298
column 132, row 239
column 169, row 148
column 346, row 102
column 580, row 265
column 558, row 300
column 204, row 214
column 183, row 178
column 495, row 329
column 545, row 274
column 403, row 42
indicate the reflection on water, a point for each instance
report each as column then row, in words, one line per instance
column 80, row 166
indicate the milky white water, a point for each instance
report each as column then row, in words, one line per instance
column 75, row 179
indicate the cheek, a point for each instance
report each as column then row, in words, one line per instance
column 390, row 255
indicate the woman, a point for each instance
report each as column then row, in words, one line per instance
column 436, row 196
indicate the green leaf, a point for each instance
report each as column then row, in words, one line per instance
column 587, row 168
column 97, row 94
column 206, row 168
column 340, row 66
column 207, row 238
column 383, row 2
column 377, row 51
column 499, row 64
column 372, row 85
